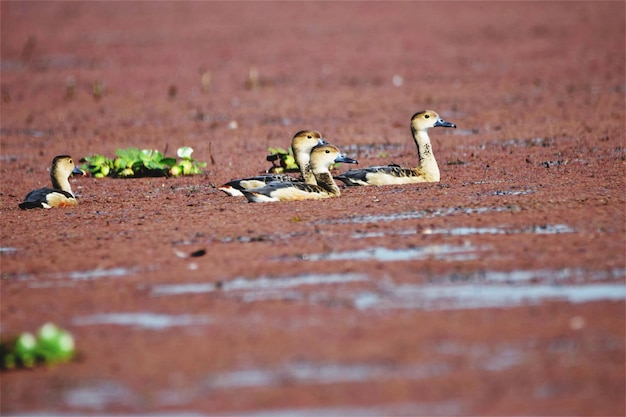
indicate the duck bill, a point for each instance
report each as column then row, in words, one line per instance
column 443, row 123
column 345, row 159
column 77, row 171
column 321, row 141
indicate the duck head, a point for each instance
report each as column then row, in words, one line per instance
column 323, row 156
column 306, row 140
column 63, row 166
column 426, row 119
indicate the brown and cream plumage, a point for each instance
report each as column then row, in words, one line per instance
column 60, row 195
column 322, row 157
column 301, row 144
column 427, row 169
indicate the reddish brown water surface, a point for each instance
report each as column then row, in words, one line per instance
column 498, row 291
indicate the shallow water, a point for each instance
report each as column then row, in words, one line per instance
column 323, row 373
column 59, row 278
column 575, row 275
column 151, row 321
column 439, row 252
column 513, row 192
column 419, row 214
column 470, row 296
column 540, row 230
column 480, row 289
column 101, row 273
column 445, row 408
column 468, row 231
column 256, row 284
column 98, row 395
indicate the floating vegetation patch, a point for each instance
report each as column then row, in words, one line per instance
column 51, row 345
column 133, row 162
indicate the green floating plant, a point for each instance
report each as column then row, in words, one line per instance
column 285, row 160
column 52, row 345
column 133, row 162
column 187, row 165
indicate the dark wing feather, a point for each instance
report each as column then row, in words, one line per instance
column 359, row 176
column 276, row 185
column 237, row 184
column 37, row 198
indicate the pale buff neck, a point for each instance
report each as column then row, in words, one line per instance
column 303, row 159
column 427, row 162
column 60, row 182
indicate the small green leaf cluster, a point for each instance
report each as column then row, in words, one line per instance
column 285, row 159
column 187, row 165
column 134, row 162
column 52, row 345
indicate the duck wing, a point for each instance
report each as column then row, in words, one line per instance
column 47, row 198
column 285, row 191
column 376, row 175
column 235, row 187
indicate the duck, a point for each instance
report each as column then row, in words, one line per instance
column 426, row 171
column 60, row 195
column 302, row 144
column 322, row 157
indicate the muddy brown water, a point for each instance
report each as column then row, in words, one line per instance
column 498, row 291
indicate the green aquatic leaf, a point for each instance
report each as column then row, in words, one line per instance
column 54, row 344
column 176, row 171
column 128, row 172
column 133, row 162
column 169, row 162
column 51, row 345
column 26, row 349
column 129, row 154
column 278, row 151
column 184, row 152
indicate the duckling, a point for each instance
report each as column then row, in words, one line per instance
column 426, row 171
column 302, row 144
column 322, row 157
column 60, row 195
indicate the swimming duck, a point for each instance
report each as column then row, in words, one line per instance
column 60, row 195
column 302, row 144
column 426, row 171
column 322, row 157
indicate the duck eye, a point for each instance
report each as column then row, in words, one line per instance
column 327, row 151
column 426, row 116
column 309, row 137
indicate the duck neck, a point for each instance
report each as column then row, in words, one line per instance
column 303, row 160
column 427, row 162
column 325, row 180
column 60, row 182
column 307, row 173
